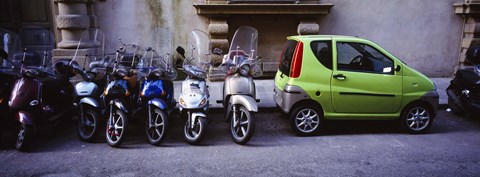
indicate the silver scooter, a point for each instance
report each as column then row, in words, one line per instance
column 239, row 94
column 194, row 98
column 88, row 93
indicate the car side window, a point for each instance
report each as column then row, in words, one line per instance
column 323, row 52
column 362, row 58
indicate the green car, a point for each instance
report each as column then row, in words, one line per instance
column 326, row 77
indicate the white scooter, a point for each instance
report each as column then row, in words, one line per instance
column 194, row 97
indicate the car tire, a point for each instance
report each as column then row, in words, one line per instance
column 416, row 118
column 306, row 120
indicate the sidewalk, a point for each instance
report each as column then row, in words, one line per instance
column 265, row 91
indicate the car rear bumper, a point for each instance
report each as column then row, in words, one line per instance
column 286, row 98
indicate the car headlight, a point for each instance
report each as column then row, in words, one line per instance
column 244, row 70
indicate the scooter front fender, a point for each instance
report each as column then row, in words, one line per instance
column 244, row 100
column 158, row 103
column 248, row 102
column 25, row 118
column 89, row 101
column 198, row 114
column 119, row 104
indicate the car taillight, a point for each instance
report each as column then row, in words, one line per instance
column 297, row 61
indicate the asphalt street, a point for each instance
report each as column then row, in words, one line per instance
column 344, row 148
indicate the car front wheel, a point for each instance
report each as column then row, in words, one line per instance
column 416, row 118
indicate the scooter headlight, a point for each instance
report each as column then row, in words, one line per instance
column 34, row 103
column 244, row 70
column 121, row 72
column 202, row 102
column 182, row 102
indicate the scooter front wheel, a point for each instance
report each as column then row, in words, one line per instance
column 24, row 137
column 156, row 127
column 88, row 124
column 196, row 134
column 242, row 125
column 116, row 128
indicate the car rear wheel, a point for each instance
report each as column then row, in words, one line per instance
column 306, row 120
column 416, row 118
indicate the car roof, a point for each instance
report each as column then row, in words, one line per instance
column 325, row 37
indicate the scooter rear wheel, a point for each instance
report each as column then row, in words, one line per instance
column 158, row 128
column 88, row 125
column 196, row 134
column 116, row 128
column 24, row 137
column 242, row 127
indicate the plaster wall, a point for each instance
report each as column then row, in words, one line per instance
column 425, row 34
column 136, row 21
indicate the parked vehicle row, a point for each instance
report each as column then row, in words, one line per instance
column 320, row 77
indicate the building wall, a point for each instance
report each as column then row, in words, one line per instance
column 425, row 34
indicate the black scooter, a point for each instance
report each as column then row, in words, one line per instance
column 464, row 90
column 7, row 79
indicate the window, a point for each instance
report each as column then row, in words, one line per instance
column 363, row 58
column 323, row 51
column 286, row 57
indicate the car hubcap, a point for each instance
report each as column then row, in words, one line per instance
column 240, row 125
column 307, row 120
column 418, row 118
column 156, row 128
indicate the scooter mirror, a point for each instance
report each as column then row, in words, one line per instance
column 3, row 55
column 217, row 51
column 181, row 51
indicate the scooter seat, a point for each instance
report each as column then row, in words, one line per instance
column 468, row 77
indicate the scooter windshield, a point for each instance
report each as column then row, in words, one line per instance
column 158, row 57
column 244, row 45
column 7, row 38
column 90, row 48
column 33, row 45
column 197, row 61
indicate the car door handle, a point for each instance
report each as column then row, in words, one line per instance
column 339, row 76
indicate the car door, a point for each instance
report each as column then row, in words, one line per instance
column 364, row 80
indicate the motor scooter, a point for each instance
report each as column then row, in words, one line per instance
column 239, row 93
column 43, row 94
column 156, row 99
column 88, row 95
column 194, row 98
column 8, row 74
column 464, row 89
column 121, row 93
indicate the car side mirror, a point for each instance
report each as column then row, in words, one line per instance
column 398, row 68
column 181, row 51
